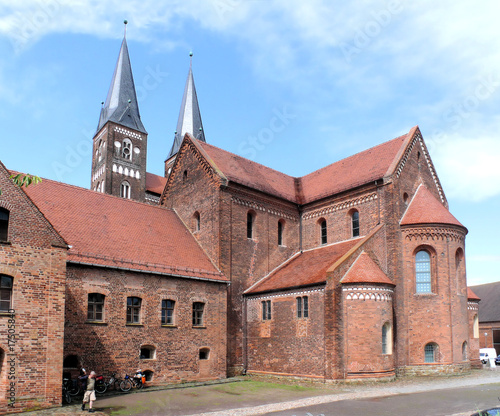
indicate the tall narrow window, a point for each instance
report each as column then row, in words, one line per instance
column 355, row 224
column 133, row 310
column 198, row 308
column 323, row 232
column 95, row 307
column 387, row 338
column 196, row 221
column 475, row 327
column 167, row 312
column 281, row 227
column 266, row 310
column 430, row 353
column 464, row 351
column 250, row 224
column 125, row 190
column 4, row 224
column 5, row 293
column 303, row 307
column 423, row 272
column 127, row 149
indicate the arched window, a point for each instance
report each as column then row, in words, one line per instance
column 323, row 231
column 95, row 309
column 204, row 353
column 148, row 352
column 185, row 176
column 71, row 361
column 250, row 224
column 430, row 352
column 4, row 224
column 423, row 272
column 387, row 338
column 125, row 190
column 134, row 310
column 464, row 351
column 127, row 149
column 281, row 229
column 149, row 375
column 355, row 223
column 196, row 221
column 475, row 327
column 6, row 283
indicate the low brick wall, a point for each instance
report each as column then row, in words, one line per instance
column 433, row 370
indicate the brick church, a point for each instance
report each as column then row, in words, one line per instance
column 224, row 266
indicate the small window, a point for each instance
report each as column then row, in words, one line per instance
column 204, row 353
column 185, row 176
column 198, row 308
column 4, row 224
column 303, row 307
column 167, row 312
column 355, row 224
column 125, row 190
column 423, row 272
column 430, row 353
column 71, row 361
column 148, row 352
column 5, row 293
column 323, row 231
column 250, row 224
column 149, row 375
column 95, row 309
column 266, row 310
column 387, row 338
column 133, row 310
column 196, row 221
column 464, row 351
column 127, row 149
column 281, row 229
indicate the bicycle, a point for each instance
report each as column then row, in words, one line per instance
column 100, row 385
column 130, row 382
column 65, row 390
column 113, row 382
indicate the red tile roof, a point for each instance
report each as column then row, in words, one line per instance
column 155, row 184
column 426, row 209
column 249, row 173
column 365, row 270
column 111, row 231
column 356, row 170
column 471, row 295
column 305, row 268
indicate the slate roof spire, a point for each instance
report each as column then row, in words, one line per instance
column 121, row 104
column 189, row 116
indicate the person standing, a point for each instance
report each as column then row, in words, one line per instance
column 90, row 392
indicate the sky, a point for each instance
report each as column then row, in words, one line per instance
column 292, row 84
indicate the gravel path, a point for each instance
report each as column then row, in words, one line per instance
column 332, row 393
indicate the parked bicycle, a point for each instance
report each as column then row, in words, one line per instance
column 100, row 385
column 135, row 381
column 66, row 397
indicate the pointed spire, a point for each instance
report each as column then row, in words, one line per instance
column 121, row 104
column 189, row 116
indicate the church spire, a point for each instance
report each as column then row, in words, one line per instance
column 121, row 105
column 189, row 116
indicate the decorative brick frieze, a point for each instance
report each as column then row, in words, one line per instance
column 128, row 133
column 381, row 294
column 340, row 206
column 433, row 233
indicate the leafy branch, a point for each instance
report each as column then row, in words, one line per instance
column 24, row 180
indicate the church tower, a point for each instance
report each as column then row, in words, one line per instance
column 189, row 118
column 120, row 143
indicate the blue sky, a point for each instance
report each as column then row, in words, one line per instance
column 342, row 77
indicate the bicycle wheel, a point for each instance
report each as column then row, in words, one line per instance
column 101, row 388
column 125, row 385
column 139, row 384
column 74, row 389
column 66, row 396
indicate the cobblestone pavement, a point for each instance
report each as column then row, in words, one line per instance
column 288, row 399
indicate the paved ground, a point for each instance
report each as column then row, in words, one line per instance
column 245, row 398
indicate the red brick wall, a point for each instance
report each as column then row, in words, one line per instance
column 114, row 346
column 286, row 344
column 337, row 212
column 36, row 258
column 474, row 339
column 367, row 308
